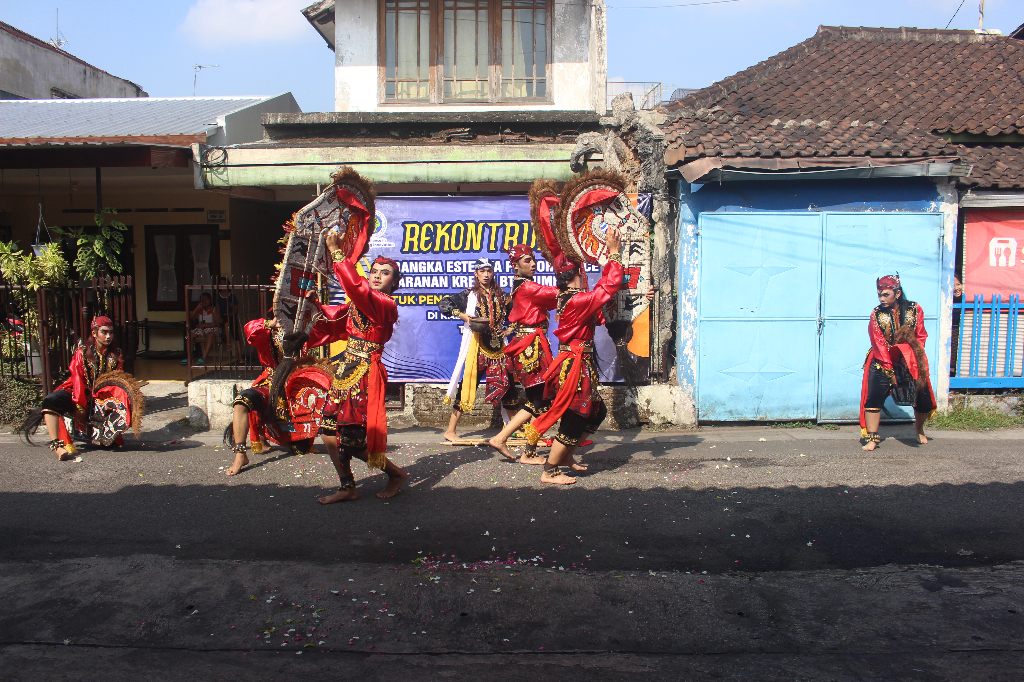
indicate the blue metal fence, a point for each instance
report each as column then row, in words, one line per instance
column 987, row 349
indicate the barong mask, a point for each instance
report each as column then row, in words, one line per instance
column 591, row 204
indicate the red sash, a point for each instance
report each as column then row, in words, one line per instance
column 563, row 398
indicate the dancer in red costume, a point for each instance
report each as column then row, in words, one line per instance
column 360, row 378
column 528, row 350
column 98, row 357
column 279, row 354
column 897, row 334
column 572, row 377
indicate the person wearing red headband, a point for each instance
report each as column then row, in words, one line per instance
column 98, row 355
column 360, row 379
column 572, row 377
column 528, row 350
column 897, row 334
column 278, row 354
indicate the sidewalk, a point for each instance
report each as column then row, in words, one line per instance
column 167, row 414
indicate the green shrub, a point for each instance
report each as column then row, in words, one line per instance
column 17, row 397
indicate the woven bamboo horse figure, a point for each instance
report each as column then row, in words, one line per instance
column 346, row 207
column 591, row 203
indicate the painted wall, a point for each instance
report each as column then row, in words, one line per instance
column 578, row 74
column 890, row 196
column 29, row 70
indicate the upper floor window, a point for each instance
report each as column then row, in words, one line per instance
column 465, row 50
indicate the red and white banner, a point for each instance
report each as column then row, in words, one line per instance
column 994, row 254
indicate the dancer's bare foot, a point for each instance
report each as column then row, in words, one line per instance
column 63, row 455
column 394, row 486
column 342, row 495
column 500, row 446
column 556, row 477
column 869, row 446
column 451, row 436
column 922, row 439
column 241, row 460
column 532, row 459
column 578, row 466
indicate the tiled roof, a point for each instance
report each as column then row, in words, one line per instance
column 858, row 92
column 120, row 118
column 993, row 166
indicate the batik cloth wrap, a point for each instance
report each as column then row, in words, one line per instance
column 480, row 353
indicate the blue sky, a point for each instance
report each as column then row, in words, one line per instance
column 264, row 47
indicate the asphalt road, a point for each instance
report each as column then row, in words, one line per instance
column 724, row 553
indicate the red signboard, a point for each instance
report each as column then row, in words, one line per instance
column 994, row 254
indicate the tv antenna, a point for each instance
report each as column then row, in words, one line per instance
column 196, row 68
column 58, row 40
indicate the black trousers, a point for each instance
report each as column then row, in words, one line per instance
column 573, row 426
column 535, row 403
column 252, row 399
column 878, row 391
column 59, row 402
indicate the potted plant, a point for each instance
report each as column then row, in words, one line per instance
column 26, row 274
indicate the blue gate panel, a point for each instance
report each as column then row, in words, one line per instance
column 841, row 367
column 757, row 370
column 756, row 265
column 861, row 246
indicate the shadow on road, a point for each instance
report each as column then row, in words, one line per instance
column 589, row 526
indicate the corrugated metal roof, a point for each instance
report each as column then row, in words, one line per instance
column 64, row 118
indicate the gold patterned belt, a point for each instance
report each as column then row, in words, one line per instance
column 526, row 331
column 361, row 348
column 588, row 347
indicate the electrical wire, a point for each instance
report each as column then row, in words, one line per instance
column 954, row 15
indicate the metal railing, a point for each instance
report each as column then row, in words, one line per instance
column 235, row 304
column 646, row 95
column 987, row 346
column 41, row 329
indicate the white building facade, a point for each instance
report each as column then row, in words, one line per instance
column 465, row 55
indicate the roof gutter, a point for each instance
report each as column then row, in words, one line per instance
column 717, row 169
column 976, row 199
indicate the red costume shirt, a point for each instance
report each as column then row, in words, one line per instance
column 529, row 350
column 86, row 364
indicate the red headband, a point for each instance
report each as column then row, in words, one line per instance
column 383, row 260
column 563, row 265
column 101, row 321
column 518, row 251
column 888, row 282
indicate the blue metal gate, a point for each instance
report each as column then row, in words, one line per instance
column 783, row 306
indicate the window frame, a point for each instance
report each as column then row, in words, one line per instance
column 435, row 52
column 182, row 267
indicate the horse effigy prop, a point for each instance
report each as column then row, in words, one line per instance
column 345, row 207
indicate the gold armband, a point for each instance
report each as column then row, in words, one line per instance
column 337, row 256
column 617, row 257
